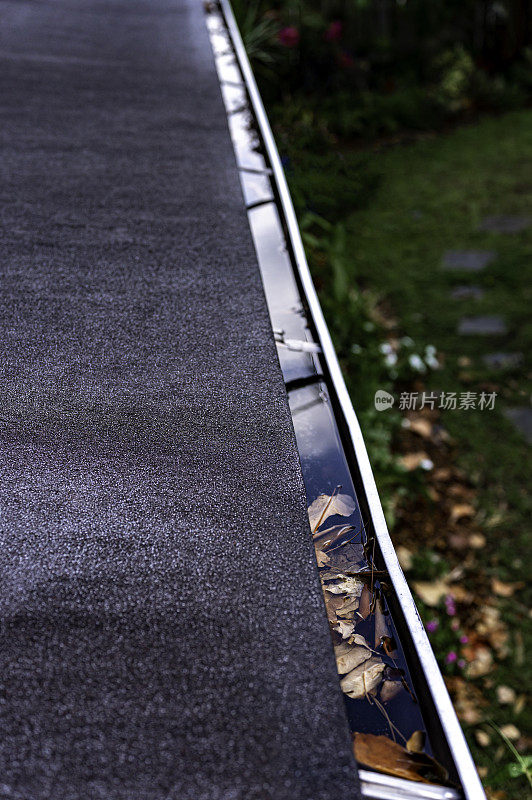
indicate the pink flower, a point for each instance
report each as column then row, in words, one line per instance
column 451, row 657
column 449, row 605
column 461, row 663
column 433, row 625
column 333, row 32
column 464, row 639
column 288, row 37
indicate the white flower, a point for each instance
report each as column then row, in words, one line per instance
column 417, row 363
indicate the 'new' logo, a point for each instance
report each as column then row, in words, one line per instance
column 383, row 400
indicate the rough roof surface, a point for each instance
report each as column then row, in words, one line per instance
column 163, row 633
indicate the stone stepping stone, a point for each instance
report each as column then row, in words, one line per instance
column 468, row 260
column 482, row 326
column 468, row 293
column 522, row 419
column 502, row 360
column 505, row 224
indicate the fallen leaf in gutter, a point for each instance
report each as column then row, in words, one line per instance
column 351, row 586
column 364, row 679
column 322, row 558
column 364, row 606
column 327, row 505
column 384, row 755
column 345, row 629
column 390, row 689
column 357, row 638
column 381, row 626
column 416, row 743
column 349, row 657
column 332, row 603
column 348, row 607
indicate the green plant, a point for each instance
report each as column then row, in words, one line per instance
column 521, row 766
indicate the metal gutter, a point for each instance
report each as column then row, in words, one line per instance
column 374, row 785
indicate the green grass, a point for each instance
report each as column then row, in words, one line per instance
column 431, row 197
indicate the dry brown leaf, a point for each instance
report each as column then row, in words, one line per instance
column 520, row 704
column 490, row 620
column 505, row 589
column 416, row 743
column 458, row 541
column 496, row 794
column 459, row 490
column 412, row 461
column 327, row 505
column 511, row 732
column 348, row 607
column 332, row 603
column 431, row 593
column 442, row 474
column 405, row 556
column 357, row 638
column 467, row 699
column 381, row 626
column 461, row 594
column 364, row 679
column 322, row 558
column 483, row 738
column 349, row 657
column 505, row 695
column 491, row 627
column 384, row 755
column 421, row 426
column 499, row 640
column 477, row 541
column 346, row 585
column 461, row 510
column 480, row 660
column 390, row 689
column 344, row 628
column 364, row 607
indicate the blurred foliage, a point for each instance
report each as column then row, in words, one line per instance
column 366, row 68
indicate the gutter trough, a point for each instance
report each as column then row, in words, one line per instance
column 330, row 443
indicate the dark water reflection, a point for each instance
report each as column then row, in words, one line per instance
column 321, row 452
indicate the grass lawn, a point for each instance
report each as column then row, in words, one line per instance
column 431, row 197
